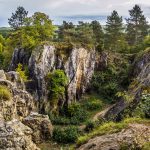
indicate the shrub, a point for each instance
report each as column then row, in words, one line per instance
column 21, row 72
column 5, row 93
column 76, row 113
column 67, row 135
column 57, row 81
column 89, row 126
column 93, row 104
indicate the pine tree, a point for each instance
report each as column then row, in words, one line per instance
column 17, row 18
column 137, row 26
column 114, row 31
column 98, row 34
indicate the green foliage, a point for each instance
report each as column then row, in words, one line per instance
column 113, row 78
column 93, row 104
column 90, row 125
column 143, row 108
column 137, row 26
column 114, row 37
column 76, row 113
column 146, row 146
column 17, row 19
column 57, row 82
column 83, row 35
column 67, row 135
column 22, row 72
column 98, row 35
column 5, row 94
column 109, row 128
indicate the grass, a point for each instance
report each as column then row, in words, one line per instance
column 4, row 93
column 109, row 128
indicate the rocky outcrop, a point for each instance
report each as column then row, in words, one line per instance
column 21, row 103
column 134, row 136
column 16, row 136
column 141, row 82
column 77, row 63
column 79, row 68
column 17, row 110
column 41, row 126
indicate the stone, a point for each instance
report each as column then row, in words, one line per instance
column 134, row 135
column 2, row 75
column 15, row 78
column 16, row 136
column 41, row 126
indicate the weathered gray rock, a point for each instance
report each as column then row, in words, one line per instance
column 16, row 136
column 15, row 78
column 41, row 126
column 20, row 104
column 2, row 75
column 134, row 135
column 79, row 68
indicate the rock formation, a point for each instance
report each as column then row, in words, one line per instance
column 17, row 110
column 134, row 135
column 77, row 63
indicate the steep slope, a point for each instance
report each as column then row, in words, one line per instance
column 141, row 75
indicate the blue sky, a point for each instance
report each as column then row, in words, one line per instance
column 72, row 10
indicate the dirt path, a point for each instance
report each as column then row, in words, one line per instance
column 97, row 116
column 101, row 113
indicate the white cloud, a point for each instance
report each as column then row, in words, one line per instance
column 72, row 7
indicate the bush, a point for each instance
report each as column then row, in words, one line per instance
column 89, row 126
column 67, row 135
column 76, row 113
column 93, row 104
column 5, row 93
column 21, row 72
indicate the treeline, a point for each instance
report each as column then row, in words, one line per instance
column 28, row 32
column 115, row 36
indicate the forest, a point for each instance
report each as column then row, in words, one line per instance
column 86, row 82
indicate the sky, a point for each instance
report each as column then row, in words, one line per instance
column 72, row 10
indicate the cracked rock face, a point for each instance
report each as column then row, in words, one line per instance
column 16, row 136
column 135, row 134
column 21, row 102
column 41, row 126
column 78, row 64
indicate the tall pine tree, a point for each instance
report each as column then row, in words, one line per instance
column 114, row 31
column 17, row 19
column 137, row 26
column 98, row 34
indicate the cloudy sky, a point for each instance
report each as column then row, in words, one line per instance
column 72, row 10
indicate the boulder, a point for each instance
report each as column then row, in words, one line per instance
column 16, row 136
column 15, row 78
column 136, row 135
column 41, row 126
column 2, row 75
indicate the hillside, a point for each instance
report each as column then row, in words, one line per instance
column 75, row 87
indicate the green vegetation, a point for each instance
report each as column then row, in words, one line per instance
column 108, row 128
column 66, row 135
column 22, row 73
column 107, row 83
column 137, row 27
column 5, row 94
column 114, row 36
column 57, row 82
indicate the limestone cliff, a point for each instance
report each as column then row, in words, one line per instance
column 77, row 63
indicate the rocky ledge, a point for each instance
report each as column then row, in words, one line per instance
column 20, row 127
column 134, row 135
